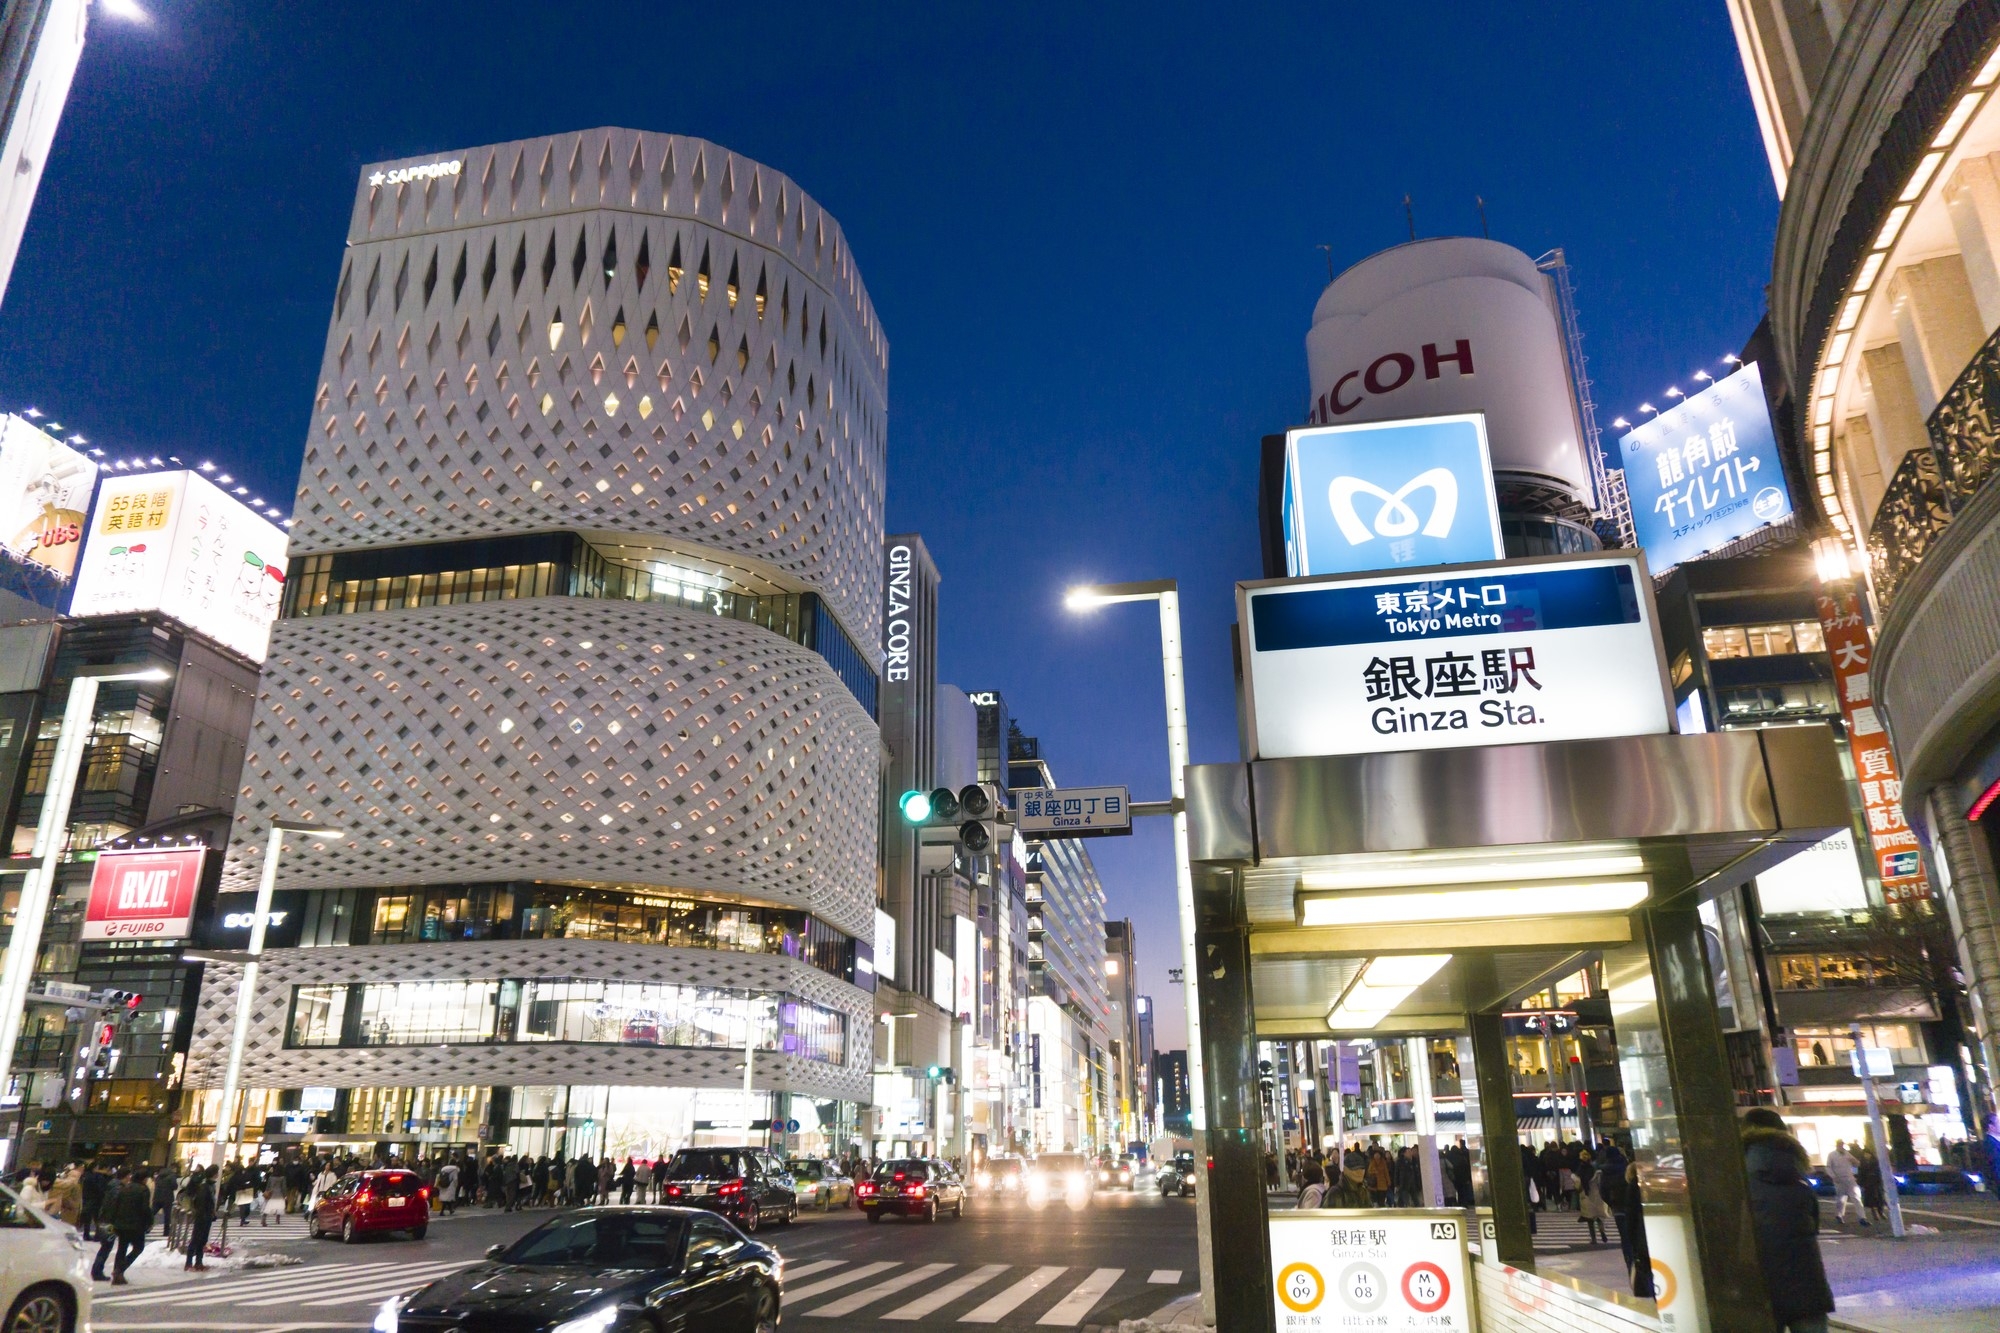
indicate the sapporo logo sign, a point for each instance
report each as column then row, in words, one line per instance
column 1389, row 494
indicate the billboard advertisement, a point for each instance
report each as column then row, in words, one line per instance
column 1450, row 325
column 44, row 494
column 1563, row 648
column 1825, row 877
column 143, row 895
column 1706, row 472
column 1381, row 494
column 176, row 542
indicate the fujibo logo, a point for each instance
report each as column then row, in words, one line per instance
column 1396, row 518
column 404, row 175
column 1389, row 494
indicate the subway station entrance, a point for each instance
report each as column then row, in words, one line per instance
column 1424, row 893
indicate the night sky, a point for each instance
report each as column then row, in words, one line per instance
column 1091, row 232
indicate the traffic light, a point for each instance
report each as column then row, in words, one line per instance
column 915, row 807
column 974, row 811
column 940, row 1074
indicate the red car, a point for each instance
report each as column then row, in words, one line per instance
column 365, row 1201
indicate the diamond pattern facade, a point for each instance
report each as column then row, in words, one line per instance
column 656, row 344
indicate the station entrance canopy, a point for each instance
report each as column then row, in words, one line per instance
column 1426, row 891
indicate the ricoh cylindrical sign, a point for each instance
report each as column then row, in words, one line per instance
column 1449, row 326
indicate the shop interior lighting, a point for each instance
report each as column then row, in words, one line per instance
column 1381, row 985
column 1499, row 902
column 1411, row 873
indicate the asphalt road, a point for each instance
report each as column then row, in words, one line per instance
column 1002, row 1266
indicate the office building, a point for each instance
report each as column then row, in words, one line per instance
column 1130, row 1071
column 580, row 649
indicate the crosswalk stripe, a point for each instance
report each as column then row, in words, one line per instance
column 847, row 1305
column 409, row 1283
column 355, row 1288
column 232, row 1285
column 1002, row 1305
column 1070, row 1310
column 1164, row 1277
column 838, row 1281
column 946, row 1294
column 807, row 1270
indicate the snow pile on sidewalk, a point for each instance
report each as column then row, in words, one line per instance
column 156, row 1257
column 1181, row 1316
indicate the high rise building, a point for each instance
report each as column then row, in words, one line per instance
column 1130, row 1076
column 580, row 648
column 1069, row 1076
column 1170, row 1083
column 1881, row 122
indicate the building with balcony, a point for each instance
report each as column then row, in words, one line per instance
column 581, row 649
column 1884, row 134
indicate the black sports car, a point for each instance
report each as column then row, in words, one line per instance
column 607, row 1270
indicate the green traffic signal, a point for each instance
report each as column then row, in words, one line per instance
column 934, row 1071
column 916, row 806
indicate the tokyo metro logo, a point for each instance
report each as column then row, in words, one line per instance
column 1389, row 494
column 1396, row 517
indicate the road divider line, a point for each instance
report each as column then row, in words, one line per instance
column 1004, row 1304
column 847, row 1305
column 948, row 1293
column 838, row 1281
column 1082, row 1299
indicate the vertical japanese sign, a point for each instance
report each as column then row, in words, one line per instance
column 1706, row 472
column 1894, row 843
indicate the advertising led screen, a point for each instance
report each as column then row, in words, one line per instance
column 1825, row 877
column 175, row 542
column 143, row 895
column 44, row 493
column 1705, row 472
column 1376, row 495
column 1562, row 648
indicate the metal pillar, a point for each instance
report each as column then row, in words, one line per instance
column 1499, row 1137
column 1235, row 1174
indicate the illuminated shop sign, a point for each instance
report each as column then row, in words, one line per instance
column 1706, row 472
column 404, row 175
column 1379, row 495
column 1563, row 648
column 142, row 895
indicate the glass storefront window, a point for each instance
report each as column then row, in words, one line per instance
column 1825, row 1047
column 318, row 1013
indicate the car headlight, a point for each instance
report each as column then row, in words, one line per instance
column 597, row 1321
column 385, row 1318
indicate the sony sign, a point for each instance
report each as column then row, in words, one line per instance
column 897, row 625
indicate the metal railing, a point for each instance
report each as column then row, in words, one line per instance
column 1932, row 485
column 1912, row 515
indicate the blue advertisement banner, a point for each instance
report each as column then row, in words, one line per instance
column 1706, row 472
column 1376, row 495
column 1495, row 601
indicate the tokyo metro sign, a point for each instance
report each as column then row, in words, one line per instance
column 1377, row 495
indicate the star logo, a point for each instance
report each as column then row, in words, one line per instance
column 376, row 180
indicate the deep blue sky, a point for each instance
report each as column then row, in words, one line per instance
column 1090, row 231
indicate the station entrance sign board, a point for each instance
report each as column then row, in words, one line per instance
column 1388, row 1268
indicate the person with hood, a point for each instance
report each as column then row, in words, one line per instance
column 1786, row 1215
column 198, row 1197
column 1351, row 1190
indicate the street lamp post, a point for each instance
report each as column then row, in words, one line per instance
column 246, row 991
column 1167, row 593
column 51, row 833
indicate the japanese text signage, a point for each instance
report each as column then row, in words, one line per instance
column 142, row 895
column 1706, row 472
column 1370, row 1268
column 176, row 542
column 45, row 490
column 1377, row 495
column 1075, row 812
column 1897, row 861
column 1562, row 648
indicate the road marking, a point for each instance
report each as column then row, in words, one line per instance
column 1070, row 1310
column 233, row 1285
column 1953, row 1217
column 948, row 1293
column 847, row 1305
column 807, row 1270
column 838, row 1281
column 993, row 1311
column 1164, row 1277
column 409, row 1282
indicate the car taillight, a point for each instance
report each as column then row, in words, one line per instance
column 674, row 1191
column 730, row 1187
column 867, row 1187
column 364, row 1197
column 897, row 1176
column 424, row 1193
column 915, row 1191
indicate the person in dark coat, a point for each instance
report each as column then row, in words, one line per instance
column 95, row 1184
column 165, row 1186
column 198, row 1197
column 1869, row 1168
column 130, row 1213
column 1786, row 1213
column 1632, row 1235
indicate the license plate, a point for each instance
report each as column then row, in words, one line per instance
column 396, row 1199
column 698, row 1188
column 891, row 1189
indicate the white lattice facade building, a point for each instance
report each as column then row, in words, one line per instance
column 580, row 647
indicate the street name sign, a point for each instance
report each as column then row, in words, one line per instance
column 1074, row 812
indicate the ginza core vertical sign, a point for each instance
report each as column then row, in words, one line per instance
column 896, row 621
